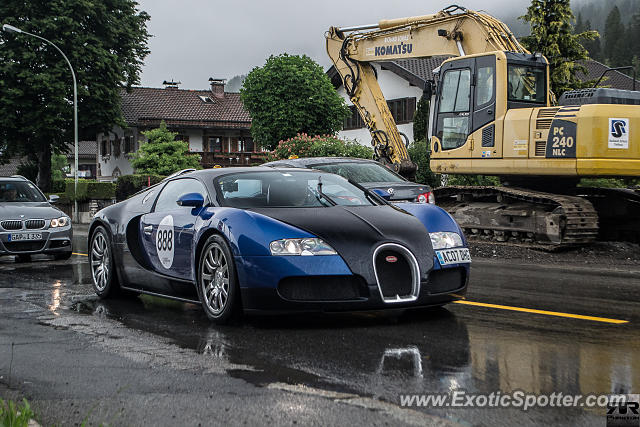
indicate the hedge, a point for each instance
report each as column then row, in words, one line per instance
column 88, row 190
column 127, row 185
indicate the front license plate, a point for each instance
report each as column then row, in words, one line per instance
column 454, row 256
column 25, row 236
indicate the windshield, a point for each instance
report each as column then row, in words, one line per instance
column 527, row 84
column 287, row 189
column 361, row 172
column 19, row 191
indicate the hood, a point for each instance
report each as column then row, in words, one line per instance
column 355, row 232
column 401, row 190
column 30, row 210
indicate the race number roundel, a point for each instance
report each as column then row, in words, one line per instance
column 165, row 241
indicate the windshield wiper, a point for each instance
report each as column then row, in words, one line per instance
column 324, row 196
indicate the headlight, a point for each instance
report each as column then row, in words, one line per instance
column 307, row 246
column 445, row 239
column 59, row 222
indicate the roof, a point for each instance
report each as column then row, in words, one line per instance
column 613, row 79
column 85, row 148
column 416, row 71
column 145, row 105
column 11, row 167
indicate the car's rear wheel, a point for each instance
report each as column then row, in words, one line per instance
column 105, row 281
column 217, row 281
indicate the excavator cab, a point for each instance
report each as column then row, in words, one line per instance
column 468, row 97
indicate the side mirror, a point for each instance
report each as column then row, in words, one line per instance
column 385, row 195
column 194, row 200
column 428, row 89
column 53, row 198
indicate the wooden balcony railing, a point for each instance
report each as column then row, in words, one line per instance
column 210, row 159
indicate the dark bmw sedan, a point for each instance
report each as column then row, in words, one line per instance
column 29, row 224
column 368, row 173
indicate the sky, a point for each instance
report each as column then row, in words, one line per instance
column 193, row 40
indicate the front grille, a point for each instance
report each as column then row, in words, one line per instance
column 446, row 280
column 396, row 272
column 34, row 224
column 24, row 246
column 13, row 224
column 323, row 288
column 541, row 148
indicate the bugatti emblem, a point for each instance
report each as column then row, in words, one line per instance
column 391, row 258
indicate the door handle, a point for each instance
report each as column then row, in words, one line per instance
column 148, row 230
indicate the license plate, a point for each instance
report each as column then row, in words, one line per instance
column 25, row 236
column 454, row 256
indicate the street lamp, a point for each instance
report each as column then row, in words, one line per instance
column 11, row 29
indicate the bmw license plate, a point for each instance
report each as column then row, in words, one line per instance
column 454, row 256
column 24, row 236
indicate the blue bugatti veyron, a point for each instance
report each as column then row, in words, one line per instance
column 260, row 239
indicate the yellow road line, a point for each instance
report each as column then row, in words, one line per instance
column 76, row 253
column 545, row 312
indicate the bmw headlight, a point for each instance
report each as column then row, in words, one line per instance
column 59, row 222
column 306, row 246
column 445, row 239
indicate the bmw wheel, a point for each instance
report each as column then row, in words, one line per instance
column 105, row 281
column 217, row 282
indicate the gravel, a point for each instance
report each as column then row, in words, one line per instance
column 599, row 253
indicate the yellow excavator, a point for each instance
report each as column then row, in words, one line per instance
column 492, row 113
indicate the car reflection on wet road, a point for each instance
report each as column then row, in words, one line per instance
column 370, row 356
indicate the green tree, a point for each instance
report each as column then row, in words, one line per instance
column 593, row 46
column 615, row 43
column 421, row 119
column 552, row 35
column 291, row 94
column 58, row 163
column 420, row 154
column 105, row 43
column 162, row 154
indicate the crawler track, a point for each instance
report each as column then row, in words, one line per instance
column 520, row 216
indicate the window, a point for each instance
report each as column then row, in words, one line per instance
column 287, row 189
column 105, row 147
column 129, row 144
column 215, row 144
column 484, row 88
column 360, row 172
column 456, row 90
column 182, row 137
column 174, row 190
column 19, row 191
column 454, row 132
column 354, row 121
column 402, row 109
column 526, row 84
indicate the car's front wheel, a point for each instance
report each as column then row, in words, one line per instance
column 217, row 281
column 105, row 281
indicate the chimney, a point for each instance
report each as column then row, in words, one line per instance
column 171, row 84
column 217, row 87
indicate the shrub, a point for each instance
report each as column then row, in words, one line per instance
column 420, row 155
column 58, row 186
column 88, row 190
column 303, row 145
column 127, row 185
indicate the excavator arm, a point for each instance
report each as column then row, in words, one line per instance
column 453, row 31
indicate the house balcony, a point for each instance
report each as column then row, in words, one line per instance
column 209, row 159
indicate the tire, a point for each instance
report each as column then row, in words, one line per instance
column 103, row 273
column 62, row 256
column 217, row 281
column 23, row 258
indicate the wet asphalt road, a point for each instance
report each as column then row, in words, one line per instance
column 147, row 361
